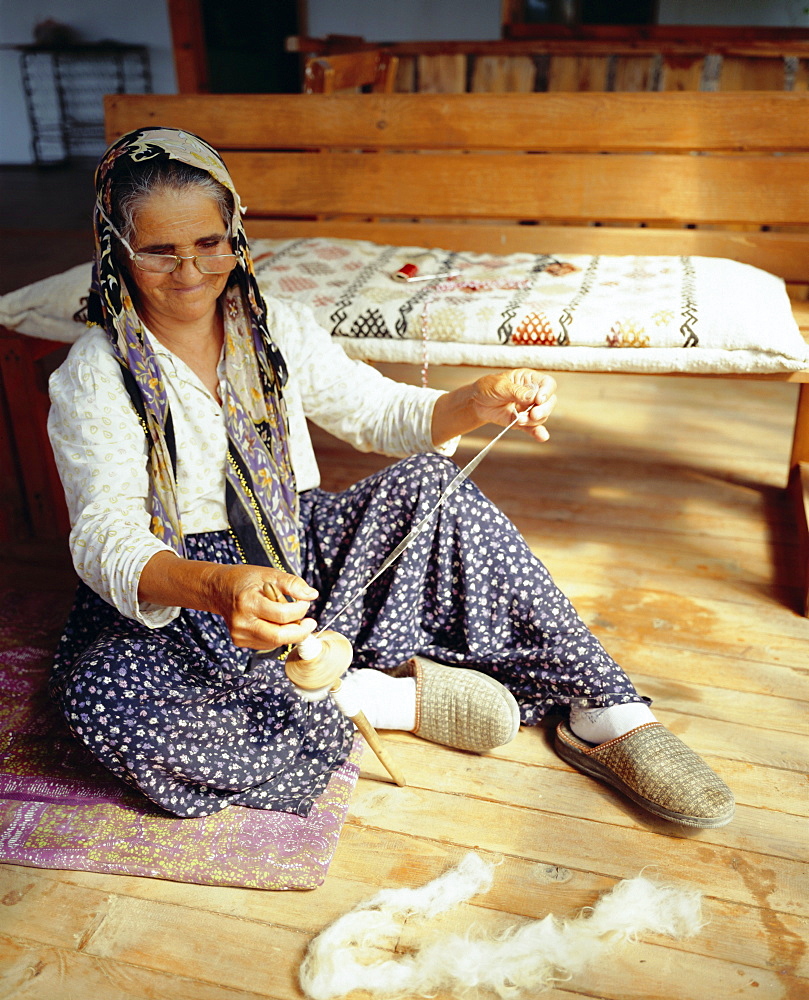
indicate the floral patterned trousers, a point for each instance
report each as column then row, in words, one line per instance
column 197, row 723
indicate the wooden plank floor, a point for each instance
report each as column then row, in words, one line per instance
column 659, row 507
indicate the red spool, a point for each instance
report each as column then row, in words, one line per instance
column 406, row 272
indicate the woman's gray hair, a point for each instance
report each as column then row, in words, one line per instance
column 131, row 191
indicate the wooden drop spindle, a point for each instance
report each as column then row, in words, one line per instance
column 318, row 663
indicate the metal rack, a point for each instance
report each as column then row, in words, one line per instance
column 64, row 89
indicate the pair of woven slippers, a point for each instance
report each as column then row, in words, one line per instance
column 468, row 710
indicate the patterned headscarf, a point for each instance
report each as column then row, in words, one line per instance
column 260, row 490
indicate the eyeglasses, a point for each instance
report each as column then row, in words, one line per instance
column 165, row 263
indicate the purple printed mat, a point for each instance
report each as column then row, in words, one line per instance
column 60, row 809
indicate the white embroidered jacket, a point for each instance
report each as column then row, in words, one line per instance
column 100, row 447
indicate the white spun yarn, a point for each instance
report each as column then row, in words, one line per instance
column 310, row 648
column 354, row 953
column 311, row 694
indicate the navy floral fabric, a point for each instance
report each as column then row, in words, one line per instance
column 197, row 723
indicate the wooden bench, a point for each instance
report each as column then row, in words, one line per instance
column 371, row 70
column 590, row 57
column 710, row 174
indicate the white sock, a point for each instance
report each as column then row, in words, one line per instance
column 388, row 702
column 598, row 725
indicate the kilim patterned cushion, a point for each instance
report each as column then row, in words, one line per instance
column 575, row 312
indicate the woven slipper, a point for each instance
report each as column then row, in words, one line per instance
column 461, row 708
column 655, row 769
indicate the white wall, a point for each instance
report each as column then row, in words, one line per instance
column 136, row 22
column 406, row 20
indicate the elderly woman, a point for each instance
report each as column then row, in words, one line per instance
column 202, row 540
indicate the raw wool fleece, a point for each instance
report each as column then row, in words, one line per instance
column 349, row 955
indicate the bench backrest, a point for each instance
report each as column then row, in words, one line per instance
column 721, row 174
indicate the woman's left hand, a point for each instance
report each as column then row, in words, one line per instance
column 499, row 397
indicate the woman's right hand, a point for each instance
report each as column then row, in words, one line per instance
column 263, row 608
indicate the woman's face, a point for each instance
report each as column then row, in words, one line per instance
column 184, row 223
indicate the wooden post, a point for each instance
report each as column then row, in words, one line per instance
column 188, row 42
column 799, row 488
